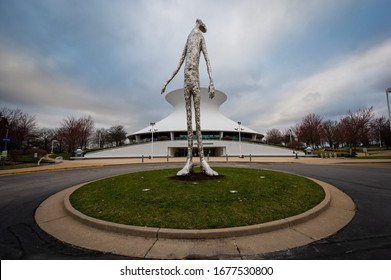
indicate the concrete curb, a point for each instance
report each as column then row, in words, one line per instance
column 331, row 215
column 168, row 233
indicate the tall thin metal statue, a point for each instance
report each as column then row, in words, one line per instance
column 195, row 44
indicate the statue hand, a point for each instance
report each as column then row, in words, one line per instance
column 211, row 91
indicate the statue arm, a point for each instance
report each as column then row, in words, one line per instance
column 209, row 68
column 177, row 69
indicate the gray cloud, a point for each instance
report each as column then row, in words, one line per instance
column 275, row 60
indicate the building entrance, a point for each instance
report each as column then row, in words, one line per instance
column 182, row 152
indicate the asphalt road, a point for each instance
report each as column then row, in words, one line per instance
column 368, row 236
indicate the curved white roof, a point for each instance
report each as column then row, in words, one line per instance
column 164, row 148
column 211, row 118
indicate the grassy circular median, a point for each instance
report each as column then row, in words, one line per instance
column 238, row 197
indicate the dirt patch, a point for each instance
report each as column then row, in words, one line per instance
column 195, row 177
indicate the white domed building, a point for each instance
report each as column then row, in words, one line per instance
column 168, row 137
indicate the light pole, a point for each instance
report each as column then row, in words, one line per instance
column 290, row 137
column 6, row 141
column 388, row 105
column 53, row 141
column 239, row 129
column 152, row 130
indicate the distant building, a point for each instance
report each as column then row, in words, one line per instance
column 220, row 134
column 214, row 125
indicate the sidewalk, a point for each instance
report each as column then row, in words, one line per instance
column 91, row 163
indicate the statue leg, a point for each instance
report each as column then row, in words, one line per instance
column 188, row 168
column 205, row 168
column 197, row 101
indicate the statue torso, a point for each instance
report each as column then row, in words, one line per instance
column 194, row 47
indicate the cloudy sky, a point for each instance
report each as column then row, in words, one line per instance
column 276, row 60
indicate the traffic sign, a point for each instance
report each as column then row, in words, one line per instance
column 6, row 139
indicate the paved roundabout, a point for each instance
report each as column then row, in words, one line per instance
column 367, row 236
column 57, row 217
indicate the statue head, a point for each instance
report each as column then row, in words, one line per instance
column 201, row 26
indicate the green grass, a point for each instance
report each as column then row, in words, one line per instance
column 240, row 197
column 373, row 157
column 66, row 156
column 16, row 166
column 5, row 165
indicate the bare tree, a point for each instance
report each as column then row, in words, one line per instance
column 289, row 136
column 21, row 127
column 380, row 131
column 117, row 134
column 86, row 125
column 101, row 137
column 44, row 138
column 310, row 130
column 330, row 132
column 356, row 127
column 274, row 136
column 75, row 133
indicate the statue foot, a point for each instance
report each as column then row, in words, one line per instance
column 205, row 168
column 187, row 169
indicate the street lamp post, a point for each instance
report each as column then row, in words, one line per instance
column 53, row 141
column 5, row 143
column 152, row 130
column 388, row 105
column 239, row 129
column 290, row 137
